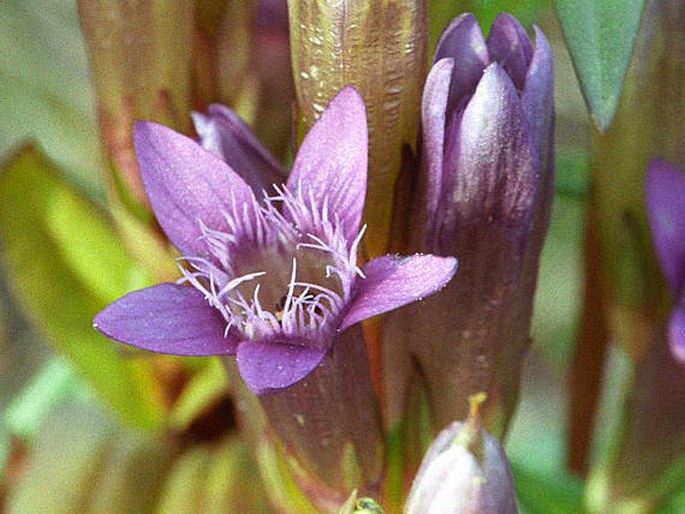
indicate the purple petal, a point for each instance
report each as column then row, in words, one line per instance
column 463, row 41
column 223, row 133
column 186, row 184
column 665, row 198
column 270, row 367
column 433, row 121
column 393, row 281
column 508, row 45
column 166, row 318
column 676, row 334
column 497, row 167
column 538, row 97
column 331, row 164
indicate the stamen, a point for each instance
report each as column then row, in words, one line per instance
column 285, row 222
column 237, row 281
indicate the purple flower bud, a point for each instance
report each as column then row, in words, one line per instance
column 485, row 189
column 464, row 472
column 665, row 198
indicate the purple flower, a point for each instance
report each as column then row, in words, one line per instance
column 270, row 278
column 464, row 471
column 484, row 196
column 487, row 128
column 665, row 198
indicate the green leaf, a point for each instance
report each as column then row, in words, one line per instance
column 213, row 480
column 83, row 462
column 551, row 495
column 600, row 37
column 65, row 265
column 53, row 383
column 60, row 470
column 45, row 89
column 204, row 386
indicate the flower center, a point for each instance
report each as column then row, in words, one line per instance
column 274, row 277
column 290, row 290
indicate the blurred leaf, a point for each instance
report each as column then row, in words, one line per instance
column 182, row 491
column 205, row 385
column 82, row 462
column 551, row 495
column 44, row 87
column 226, row 489
column 65, row 264
column 214, row 480
column 60, row 470
column 573, row 170
column 55, row 381
column 600, row 38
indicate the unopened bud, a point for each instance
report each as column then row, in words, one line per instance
column 464, row 472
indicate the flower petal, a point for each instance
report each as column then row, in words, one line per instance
column 463, row 41
column 676, row 334
column 496, row 167
column 665, row 198
column 332, row 162
column 186, row 184
column 223, row 133
column 508, row 45
column 267, row 367
column 393, row 281
column 166, row 318
column 433, row 122
column 538, row 98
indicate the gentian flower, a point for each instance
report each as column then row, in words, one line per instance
column 464, row 471
column 270, row 278
column 665, row 198
column 485, row 188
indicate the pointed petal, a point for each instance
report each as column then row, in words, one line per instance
column 331, row 164
column 393, row 281
column 497, row 167
column 268, row 367
column 223, row 133
column 186, row 184
column 463, row 41
column 665, row 198
column 538, row 98
column 676, row 334
column 433, row 122
column 508, row 45
column 166, row 318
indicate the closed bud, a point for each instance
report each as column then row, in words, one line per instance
column 139, row 57
column 380, row 49
column 464, row 472
column 485, row 189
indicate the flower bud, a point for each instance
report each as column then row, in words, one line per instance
column 380, row 49
column 485, row 189
column 464, row 472
column 139, row 56
column 653, row 428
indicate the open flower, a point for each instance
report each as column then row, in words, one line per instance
column 270, row 278
column 665, row 198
